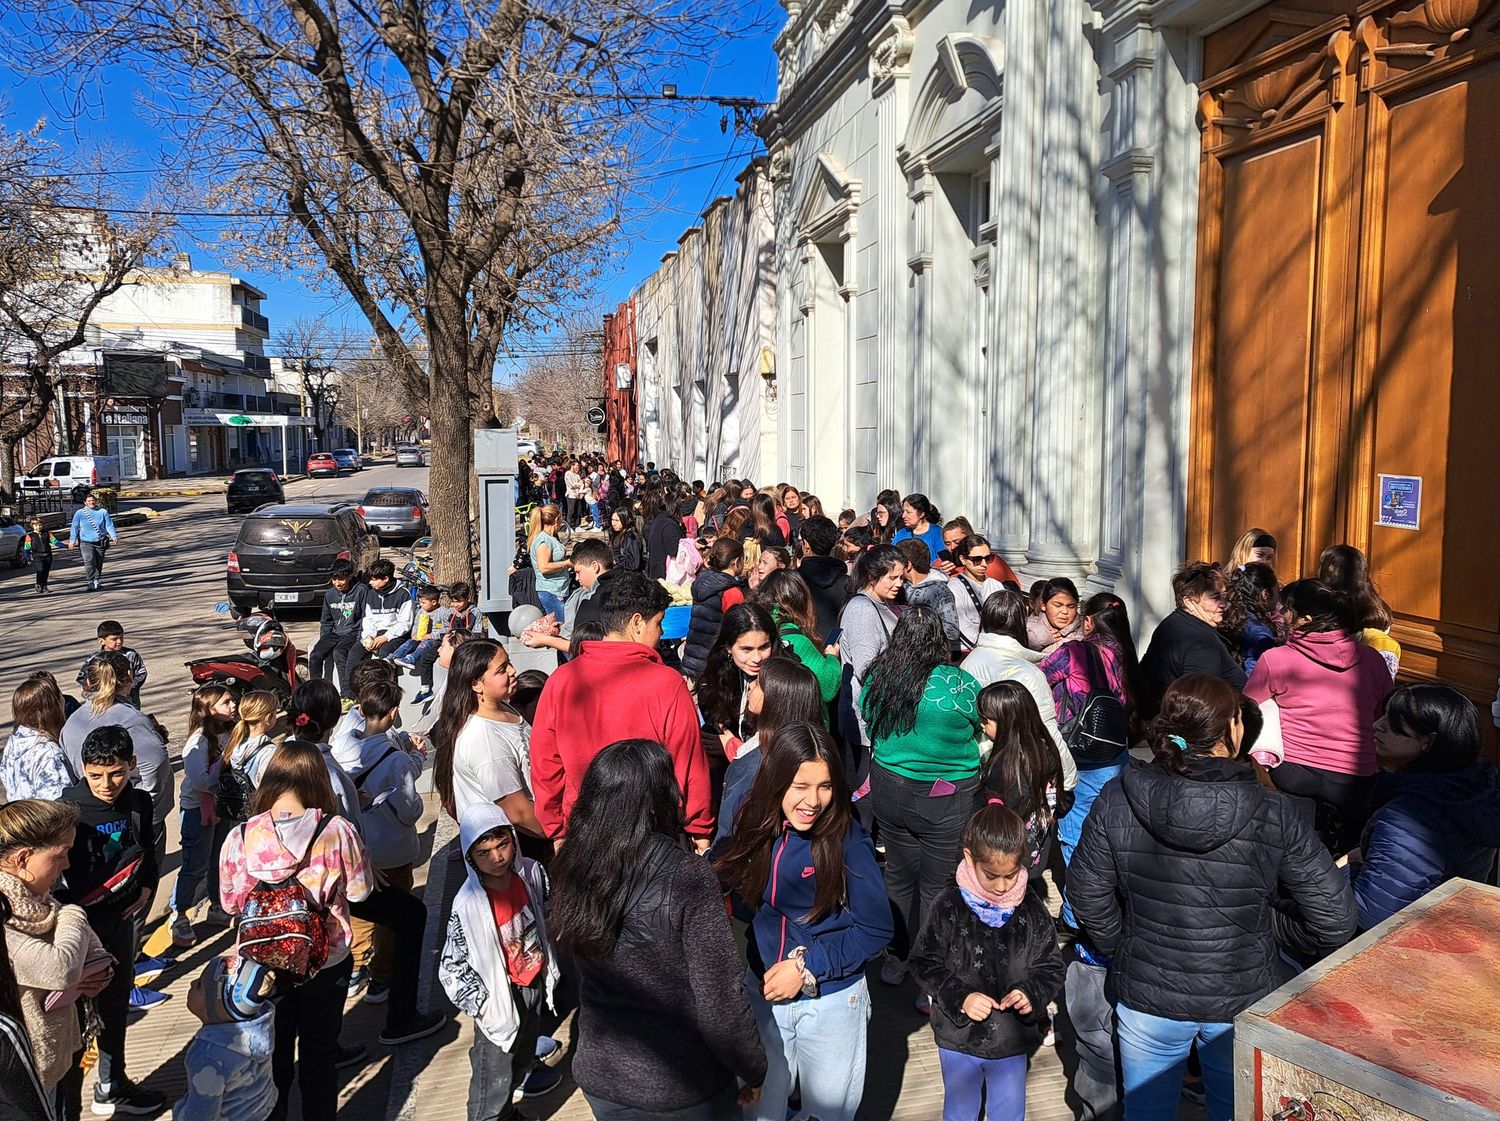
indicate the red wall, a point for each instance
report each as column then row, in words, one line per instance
column 623, row 439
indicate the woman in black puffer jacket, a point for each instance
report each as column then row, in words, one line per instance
column 1188, row 874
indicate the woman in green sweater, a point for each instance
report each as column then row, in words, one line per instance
column 923, row 717
column 789, row 600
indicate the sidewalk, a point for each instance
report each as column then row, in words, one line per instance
column 191, row 486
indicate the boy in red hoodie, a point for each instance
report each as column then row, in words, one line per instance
column 618, row 689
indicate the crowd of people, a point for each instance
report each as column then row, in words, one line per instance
column 862, row 741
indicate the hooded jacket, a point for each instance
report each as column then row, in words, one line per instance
column 334, row 872
column 1329, row 688
column 473, row 970
column 1426, row 829
column 387, row 612
column 387, row 773
column 113, row 855
column 839, row 944
column 957, row 954
column 229, row 1072
column 707, row 617
column 614, row 690
column 1188, row 883
column 664, row 1023
column 342, row 611
column 828, row 581
column 35, row 766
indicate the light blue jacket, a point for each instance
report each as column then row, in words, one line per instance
column 91, row 526
column 229, row 1072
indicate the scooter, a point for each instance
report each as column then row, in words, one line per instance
column 274, row 664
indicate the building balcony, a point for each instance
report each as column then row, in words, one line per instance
column 254, row 320
column 258, row 364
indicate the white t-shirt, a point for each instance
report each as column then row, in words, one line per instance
column 491, row 760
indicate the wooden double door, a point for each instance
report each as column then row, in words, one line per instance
column 1348, row 308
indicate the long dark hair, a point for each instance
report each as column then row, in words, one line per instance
column 1198, row 709
column 791, row 696
column 721, row 684
column 470, row 661
column 1252, row 589
column 1024, row 758
column 924, row 508
column 745, row 865
column 1441, row 711
column 763, row 508
column 874, row 563
column 891, row 500
column 1322, row 607
column 628, row 796
column 789, row 600
column 1106, row 611
column 1344, row 569
column 898, row 676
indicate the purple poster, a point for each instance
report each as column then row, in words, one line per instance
column 1400, row 501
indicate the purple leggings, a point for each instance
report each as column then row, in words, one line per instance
column 994, row 1087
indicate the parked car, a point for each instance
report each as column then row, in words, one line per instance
column 526, row 448
column 322, row 463
column 252, row 487
column 76, row 474
column 408, row 455
column 285, row 553
column 12, row 537
column 348, row 459
column 395, row 511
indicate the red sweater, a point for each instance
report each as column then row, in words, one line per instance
column 614, row 691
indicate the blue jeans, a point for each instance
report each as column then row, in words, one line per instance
column 994, row 1087
column 1153, row 1055
column 1091, row 780
column 551, row 605
column 200, row 857
column 819, row 1041
column 413, row 648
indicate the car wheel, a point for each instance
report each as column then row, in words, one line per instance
column 245, row 606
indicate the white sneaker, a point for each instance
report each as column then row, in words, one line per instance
column 892, row 970
column 183, row 934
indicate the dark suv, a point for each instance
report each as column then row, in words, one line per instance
column 284, row 554
column 252, row 487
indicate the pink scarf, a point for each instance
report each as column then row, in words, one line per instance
column 991, row 908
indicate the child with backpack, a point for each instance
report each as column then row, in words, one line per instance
column 111, row 636
column 385, row 773
column 229, row 1060
column 211, row 720
column 498, row 964
column 112, row 874
column 290, row 873
column 988, row 955
column 249, row 749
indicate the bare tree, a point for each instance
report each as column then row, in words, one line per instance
column 308, row 348
column 60, row 258
column 555, row 391
column 453, row 166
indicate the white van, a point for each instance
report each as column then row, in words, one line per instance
column 68, row 472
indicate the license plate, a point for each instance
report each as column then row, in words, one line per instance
column 286, row 597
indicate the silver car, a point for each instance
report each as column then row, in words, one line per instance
column 12, row 538
column 408, row 455
column 395, row 511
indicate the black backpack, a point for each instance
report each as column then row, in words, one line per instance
column 234, row 791
column 1099, row 729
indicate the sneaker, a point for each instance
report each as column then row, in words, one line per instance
column 377, row 993
column 923, row 1004
column 419, row 1028
column 405, row 663
column 183, row 934
column 359, row 981
column 148, row 970
column 217, row 916
column 540, row 1080
column 422, row 697
column 547, row 1048
column 892, row 970
column 127, row 1098
column 350, row 1056
column 143, row 1000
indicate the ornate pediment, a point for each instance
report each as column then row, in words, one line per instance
column 961, row 94
column 828, row 201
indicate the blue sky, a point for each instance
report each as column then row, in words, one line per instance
column 699, row 163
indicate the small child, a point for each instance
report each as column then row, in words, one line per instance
column 37, row 547
column 249, row 749
column 112, row 641
column 112, row 875
column 229, row 1060
column 211, row 720
column 343, row 741
column 426, row 630
column 464, row 617
column 498, row 964
column 988, row 955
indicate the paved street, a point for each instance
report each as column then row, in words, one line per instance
column 162, row 583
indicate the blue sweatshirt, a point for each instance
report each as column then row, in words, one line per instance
column 839, row 945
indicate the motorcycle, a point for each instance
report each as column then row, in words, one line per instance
column 273, row 664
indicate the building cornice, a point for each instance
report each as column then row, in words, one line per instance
column 805, row 93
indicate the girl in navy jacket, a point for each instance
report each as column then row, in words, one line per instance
column 821, row 914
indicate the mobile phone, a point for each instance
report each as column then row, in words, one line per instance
column 833, row 636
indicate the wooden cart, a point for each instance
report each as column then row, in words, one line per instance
column 1402, row 1023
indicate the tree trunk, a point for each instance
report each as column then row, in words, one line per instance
column 452, row 441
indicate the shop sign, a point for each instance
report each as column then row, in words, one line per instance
column 125, row 418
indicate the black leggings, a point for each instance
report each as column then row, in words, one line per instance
column 1338, row 804
column 308, row 1018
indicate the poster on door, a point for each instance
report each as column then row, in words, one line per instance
column 1400, row 501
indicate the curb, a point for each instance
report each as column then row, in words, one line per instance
column 408, row 1062
column 189, row 491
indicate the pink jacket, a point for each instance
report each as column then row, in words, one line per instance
column 1329, row 688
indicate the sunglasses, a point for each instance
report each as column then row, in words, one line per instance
column 978, row 558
